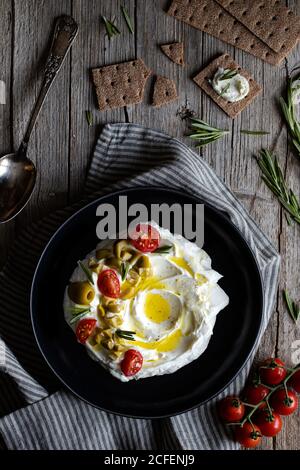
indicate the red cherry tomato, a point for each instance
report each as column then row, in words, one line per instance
column 109, row 284
column 145, row 238
column 284, row 404
column 132, row 362
column 231, row 409
column 253, row 394
column 295, row 381
column 272, row 371
column 84, row 329
column 248, row 435
column 269, row 424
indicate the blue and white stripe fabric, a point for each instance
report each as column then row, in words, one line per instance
column 35, row 412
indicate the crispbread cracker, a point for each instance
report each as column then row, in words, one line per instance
column 174, row 51
column 226, row 62
column 210, row 17
column 120, row 84
column 269, row 20
column 164, row 91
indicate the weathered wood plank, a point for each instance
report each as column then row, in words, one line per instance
column 6, row 38
column 94, row 49
column 48, row 147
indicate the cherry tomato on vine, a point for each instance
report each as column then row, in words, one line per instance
column 272, row 371
column 269, row 423
column 84, row 329
column 132, row 362
column 109, row 284
column 231, row 409
column 284, row 403
column 253, row 394
column 248, row 435
column 295, row 381
column 145, row 238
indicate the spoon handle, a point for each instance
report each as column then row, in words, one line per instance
column 65, row 32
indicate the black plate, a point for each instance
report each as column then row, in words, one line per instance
column 235, row 332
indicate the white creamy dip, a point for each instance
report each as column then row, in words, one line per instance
column 232, row 89
column 173, row 312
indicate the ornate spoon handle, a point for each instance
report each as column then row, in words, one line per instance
column 65, row 32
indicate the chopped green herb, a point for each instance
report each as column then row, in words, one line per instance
column 163, row 249
column 293, row 308
column 78, row 316
column 124, row 270
column 227, row 74
column 249, row 132
column 89, row 118
column 126, row 334
column 204, row 133
column 127, row 19
column 87, row 272
column 111, row 28
column 225, row 89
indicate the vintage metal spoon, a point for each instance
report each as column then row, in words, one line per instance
column 17, row 172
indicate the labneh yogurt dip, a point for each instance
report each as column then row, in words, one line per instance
column 232, row 89
column 163, row 307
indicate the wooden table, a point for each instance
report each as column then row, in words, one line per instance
column 62, row 142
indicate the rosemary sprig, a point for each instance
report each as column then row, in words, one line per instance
column 227, row 74
column 127, row 19
column 163, row 249
column 89, row 117
column 288, row 109
column 274, row 179
column 124, row 334
column 204, row 133
column 87, row 272
column 111, row 28
column 249, row 132
column 124, row 270
column 293, row 308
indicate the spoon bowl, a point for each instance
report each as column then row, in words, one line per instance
column 17, row 180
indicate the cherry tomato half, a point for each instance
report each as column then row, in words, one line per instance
column 145, row 238
column 132, row 362
column 253, row 394
column 231, row 409
column 269, row 424
column 109, row 284
column 84, row 329
column 295, row 381
column 284, row 404
column 272, row 371
column 248, row 435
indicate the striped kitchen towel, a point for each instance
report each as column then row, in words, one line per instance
column 35, row 412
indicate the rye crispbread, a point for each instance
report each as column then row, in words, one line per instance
column 164, row 91
column 120, row 84
column 174, row 51
column 270, row 20
column 210, row 17
column 226, row 62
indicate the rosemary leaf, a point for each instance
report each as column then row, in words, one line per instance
column 87, row 272
column 273, row 177
column 227, row 74
column 124, row 270
column 125, row 334
column 127, row 19
column 111, row 28
column 293, row 308
column 164, row 249
column 289, row 112
column 79, row 316
column 249, row 132
column 89, row 117
column 225, row 89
